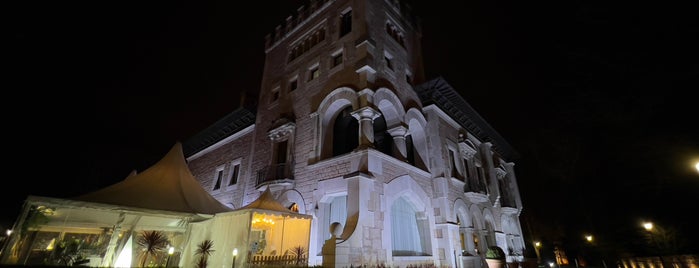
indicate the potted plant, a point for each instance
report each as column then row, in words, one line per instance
column 495, row 257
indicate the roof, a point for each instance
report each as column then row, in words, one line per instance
column 167, row 185
column 228, row 125
column 438, row 92
column 267, row 204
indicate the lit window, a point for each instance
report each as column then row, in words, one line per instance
column 409, row 234
column 294, row 207
column 314, row 73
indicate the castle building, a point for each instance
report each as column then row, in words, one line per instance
column 394, row 168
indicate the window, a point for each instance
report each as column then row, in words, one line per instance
column 345, row 23
column 294, row 207
column 275, row 95
column 337, row 59
column 219, row 177
column 335, row 211
column 345, row 132
column 452, row 162
column 235, row 170
column 314, row 73
column 408, row 230
column 293, row 85
column 389, row 63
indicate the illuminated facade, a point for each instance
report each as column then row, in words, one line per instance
column 348, row 130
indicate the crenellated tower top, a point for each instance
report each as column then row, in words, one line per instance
column 303, row 14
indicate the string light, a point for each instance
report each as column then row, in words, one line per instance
column 262, row 222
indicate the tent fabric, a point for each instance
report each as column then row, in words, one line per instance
column 167, row 185
column 267, row 202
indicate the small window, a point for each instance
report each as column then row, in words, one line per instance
column 275, row 95
column 219, row 177
column 293, row 85
column 337, row 59
column 234, row 176
column 389, row 64
column 294, row 207
column 314, row 73
column 346, row 23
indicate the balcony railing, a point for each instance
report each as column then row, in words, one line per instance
column 475, row 185
column 275, row 174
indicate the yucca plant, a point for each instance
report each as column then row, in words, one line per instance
column 153, row 244
column 204, row 250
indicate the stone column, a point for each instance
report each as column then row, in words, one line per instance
column 366, row 116
column 398, row 134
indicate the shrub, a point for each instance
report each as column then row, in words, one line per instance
column 495, row 252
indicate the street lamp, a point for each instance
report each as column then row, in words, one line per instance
column 588, row 238
column 170, row 251
column 697, row 166
column 648, row 226
column 537, row 250
column 235, row 254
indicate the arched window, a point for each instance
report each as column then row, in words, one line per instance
column 332, row 210
column 409, row 234
column 294, row 207
column 345, row 132
column 383, row 141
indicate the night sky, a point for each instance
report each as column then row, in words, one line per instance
column 598, row 99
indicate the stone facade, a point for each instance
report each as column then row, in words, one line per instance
column 348, row 130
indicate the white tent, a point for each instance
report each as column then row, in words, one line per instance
column 167, row 185
column 263, row 233
column 165, row 198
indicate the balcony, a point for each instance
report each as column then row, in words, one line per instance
column 274, row 175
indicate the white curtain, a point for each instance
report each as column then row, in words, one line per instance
column 405, row 234
column 338, row 210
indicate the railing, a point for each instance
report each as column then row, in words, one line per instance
column 281, row 261
column 277, row 173
column 474, row 184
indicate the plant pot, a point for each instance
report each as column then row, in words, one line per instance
column 496, row 263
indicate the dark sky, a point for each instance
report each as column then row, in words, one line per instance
column 598, row 98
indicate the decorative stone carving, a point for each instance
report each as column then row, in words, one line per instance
column 282, row 132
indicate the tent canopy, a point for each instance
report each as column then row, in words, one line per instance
column 167, row 185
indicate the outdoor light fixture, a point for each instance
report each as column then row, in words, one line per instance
column 588, row 238
column 170, row 251
column 235, row 254
column 697, row 166
column 648, row 226
column 550, row 264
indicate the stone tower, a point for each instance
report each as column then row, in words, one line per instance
column 347, row 129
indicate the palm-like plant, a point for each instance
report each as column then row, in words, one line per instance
column 299, row 252
column 152, row 244
column 204, row 250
